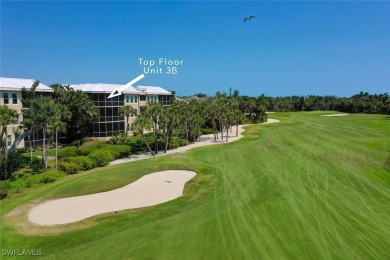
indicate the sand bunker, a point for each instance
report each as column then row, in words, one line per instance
column 151, row 189
column 336, row 115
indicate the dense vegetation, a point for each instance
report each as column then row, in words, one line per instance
column 360, row 103
column 310, row 187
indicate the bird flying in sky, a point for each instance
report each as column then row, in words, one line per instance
column 249, row 18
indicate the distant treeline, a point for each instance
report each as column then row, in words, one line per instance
column 359, row 103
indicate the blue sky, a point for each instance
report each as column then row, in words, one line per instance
column 290, row 48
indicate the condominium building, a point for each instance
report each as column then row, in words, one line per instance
column 109, row 123
column 10, row 95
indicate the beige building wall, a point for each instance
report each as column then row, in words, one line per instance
column 14, row 104
column 133, row 101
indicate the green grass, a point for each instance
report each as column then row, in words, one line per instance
column 310, row 187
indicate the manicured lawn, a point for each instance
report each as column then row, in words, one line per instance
column 310, row 187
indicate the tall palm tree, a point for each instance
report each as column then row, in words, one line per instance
column 169, row 118
column 153, row 110
column 127, row 111
column 142, row 124
column 60, row 116
column 7, row 115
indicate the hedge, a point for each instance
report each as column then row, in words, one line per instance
column 69, row 167
column 101, row 157
column 68, row 152
column 84, row 162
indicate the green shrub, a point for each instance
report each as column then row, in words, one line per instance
column 4, row 188
column 182, row 142
column 101, row 157
column 245, row 120
column 263, row 118
column 49, row 176
column 17, row 186
column 91, row 148
column 69, row 167
column 84, row 162
column 176, row 142
column 70, row 151
column 138, row 147
column 15, row 161
column 118, row 151
column 207, row 131
column 119, row 139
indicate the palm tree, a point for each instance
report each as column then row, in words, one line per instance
column 196, row 119
column 168, row 120
column 60, row 116
column 153, row 110
column 127, row 111
column 7, row 115
column 141, row 124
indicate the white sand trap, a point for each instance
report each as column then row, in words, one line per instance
column 336, row 115
column 151, row 189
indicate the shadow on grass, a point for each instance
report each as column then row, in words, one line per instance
column 387, row 117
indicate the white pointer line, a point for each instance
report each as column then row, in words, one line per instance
column 118, row 92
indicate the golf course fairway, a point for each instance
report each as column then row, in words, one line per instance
column 309, row 187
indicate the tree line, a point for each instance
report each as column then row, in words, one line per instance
column 360, row 103
column 218, row 113
column 66, row 112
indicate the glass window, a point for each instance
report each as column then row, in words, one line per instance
column 102, row 112
column 103, row 128
column 109, row 127
column 109, row 111
column 6, row 97
column 115, row 111
column 14, row 98
column 115, row 126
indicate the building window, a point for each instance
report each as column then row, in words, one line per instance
column 132, row 99
column 6, row 97
column 134, row 115
column 9, row 140
column 165, row 100
column 151, row 98
column 14, row 98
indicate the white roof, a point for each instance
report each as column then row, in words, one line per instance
column 18, row 84
column 154, row 90
column 102, row 88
